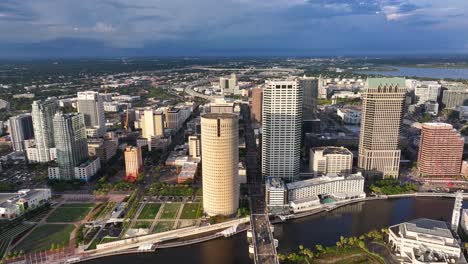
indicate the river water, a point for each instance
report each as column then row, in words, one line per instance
column 323, row 228
column 437, row 73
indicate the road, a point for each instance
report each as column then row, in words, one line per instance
column 264, row 245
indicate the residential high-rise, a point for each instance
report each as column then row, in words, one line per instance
column 152, row 124
column 194, row 146
column 43, row 112
column 281, row 119
column 70, row 142
column 334, row 160
column 440, row 151
column 309, row 87
column 21, row 129
column 220, row 152
column 91, row 105
column 133, row 163
column 256, row 109
column 379, row 141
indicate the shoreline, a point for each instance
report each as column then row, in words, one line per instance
column 81, row 259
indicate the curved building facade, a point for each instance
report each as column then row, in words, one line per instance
column 220, row 158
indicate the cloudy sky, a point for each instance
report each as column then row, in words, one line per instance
column 232, row 27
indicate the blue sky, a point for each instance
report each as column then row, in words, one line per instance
column 232, row 27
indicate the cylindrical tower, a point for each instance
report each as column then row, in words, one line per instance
column 220, row 158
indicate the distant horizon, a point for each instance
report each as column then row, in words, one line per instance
column 115, row 28
column 436, row 56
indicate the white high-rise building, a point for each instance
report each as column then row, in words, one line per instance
column 43, row 112
column 426, row 91
column 91, row 105
column 281, row 119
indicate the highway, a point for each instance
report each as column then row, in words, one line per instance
column 262, row 237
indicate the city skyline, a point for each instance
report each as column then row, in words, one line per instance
column 232, row 28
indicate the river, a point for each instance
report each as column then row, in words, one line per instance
column 323, row 228
column 436, row 73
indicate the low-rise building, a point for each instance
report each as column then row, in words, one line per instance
column 104, row 149
column 13, row 205
column 349, row 116
column 337, row 186
column 306, row 204
column 424, row 241
column 462, row 112
column 88, row 169
column 187, row 172
column 276, row 193
column 84, row 172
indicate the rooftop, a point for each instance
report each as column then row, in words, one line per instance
column 376, row 82
column 333, row 150
column 220, row 116
column 323, row 179
column 429, row 227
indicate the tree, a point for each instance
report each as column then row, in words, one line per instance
column 319, row 248
column 361, row 244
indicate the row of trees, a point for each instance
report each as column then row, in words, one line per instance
column 392, row 186
column 344, row 245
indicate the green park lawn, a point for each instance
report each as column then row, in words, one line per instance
column 44, row 236
column 67, row 213
column 149, row 211
column 163, row 226
column 170, row 211
column 142, row 224
column 191, row 211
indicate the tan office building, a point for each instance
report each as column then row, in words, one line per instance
column 220, row 153
column 335, row 160
column 133, row 163
column 152, row 124
column 440, row 151
column 379, row 142
column 256, row 109
column 194, row 146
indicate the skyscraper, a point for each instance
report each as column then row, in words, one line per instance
column 309, row 87
column 152, row 124
column 220, row 152
column 91, row 105
column 133, row 163
column 256, row 110
column 440, row 151
column 43, row 112
column 70, row 142
column 379, row 141
column 281, row 119
column 21, row 129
